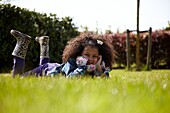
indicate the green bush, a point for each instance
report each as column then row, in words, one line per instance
column 60, row 30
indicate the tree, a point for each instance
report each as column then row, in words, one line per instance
column 168, row 27
column 60, row 30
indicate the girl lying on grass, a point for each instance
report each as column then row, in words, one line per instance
column 87, row 54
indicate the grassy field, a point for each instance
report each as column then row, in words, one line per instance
column 124, row 92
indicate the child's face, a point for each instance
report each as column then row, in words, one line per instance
column 91, row 53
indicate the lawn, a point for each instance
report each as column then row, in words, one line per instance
column 124, row 92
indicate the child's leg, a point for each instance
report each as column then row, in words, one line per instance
column 18, row 66
column 44, row 70
column 19, row 51
column 44, row 49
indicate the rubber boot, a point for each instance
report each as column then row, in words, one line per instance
column 19, row 51
column 44, row 49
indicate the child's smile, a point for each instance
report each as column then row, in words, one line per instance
column 91, row 53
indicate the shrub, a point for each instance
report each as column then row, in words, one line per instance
column 160, row 48
column 60, row 30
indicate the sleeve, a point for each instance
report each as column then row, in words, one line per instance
column 72, row 68
column 105, row 69
column 78, row 71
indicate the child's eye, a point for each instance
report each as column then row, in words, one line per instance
column 95, row 56
column 86, row 55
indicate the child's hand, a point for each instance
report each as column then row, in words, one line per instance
column 99, row 61
column 98, row 65
column 91, row 68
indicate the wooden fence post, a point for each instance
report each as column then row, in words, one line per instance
column 148, row 63
column 138, row 40
column 127, row 50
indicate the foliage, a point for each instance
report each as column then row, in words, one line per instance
column 160, row 48
column 168, row 27
column 124, row 92
column 60, row 30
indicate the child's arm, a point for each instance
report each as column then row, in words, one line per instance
column 77, row 71
column 75, row 67
column 101, row 69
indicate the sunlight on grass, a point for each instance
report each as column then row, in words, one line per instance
column 124, row 92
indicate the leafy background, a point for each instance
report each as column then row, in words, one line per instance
column 60, row 30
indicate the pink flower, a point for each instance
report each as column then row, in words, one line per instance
column 81, row 61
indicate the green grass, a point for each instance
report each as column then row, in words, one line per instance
column 124, row 92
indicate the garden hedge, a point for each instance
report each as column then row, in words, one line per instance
column 160, row 52
column 60, row 30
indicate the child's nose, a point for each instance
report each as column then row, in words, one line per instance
column 90, row 58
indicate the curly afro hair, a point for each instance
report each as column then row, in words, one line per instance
column 76, row 45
